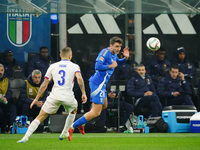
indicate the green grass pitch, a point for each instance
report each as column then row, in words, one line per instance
column 104, row 141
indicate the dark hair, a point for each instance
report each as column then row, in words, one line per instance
column 116, row 39
column 6, row 52
column 174, row 67
column 161, row 49
column 140, row 65
column 43, row 47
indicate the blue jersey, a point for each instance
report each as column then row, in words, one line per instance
column 102, row 72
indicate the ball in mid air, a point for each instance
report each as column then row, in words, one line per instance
column 153, row 44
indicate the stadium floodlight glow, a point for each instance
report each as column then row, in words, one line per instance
column 29, row 7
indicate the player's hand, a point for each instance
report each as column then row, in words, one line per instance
column 181, row 75
column 112, row 95
column 4, row 100
column 113, row 65
column 148, row 93
column 84, row 98
column 33, row 103
column 126, row 52
column 39, row 104
column 176, row 94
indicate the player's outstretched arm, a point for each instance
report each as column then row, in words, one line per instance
column 43, row 87
column 82, row 86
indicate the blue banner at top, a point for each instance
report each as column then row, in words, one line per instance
column 22, row 33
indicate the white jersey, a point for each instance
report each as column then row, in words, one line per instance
column 63, row 75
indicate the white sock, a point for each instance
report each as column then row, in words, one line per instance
column 69, row 121
column 33, row 126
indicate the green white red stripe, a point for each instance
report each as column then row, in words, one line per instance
column 19, row 31
column 19, row 28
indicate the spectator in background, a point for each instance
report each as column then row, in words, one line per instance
column 158, row 66
column 10, row 63
column 29, row 91
column 175, row 88
column 40, row 61
column 6, row 103
column 125, row 71
column 141, row 87
column 185, row 66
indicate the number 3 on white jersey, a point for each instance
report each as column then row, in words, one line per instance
column 62, row 81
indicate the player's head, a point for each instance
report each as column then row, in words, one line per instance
column 115, row 44
column 1, row 70
column 181, row 53
column 8, row 55
column 173, row 71
column 66, row 53
column 141, row 70
column 161, row 53
column 36, row 76
column 44, row 52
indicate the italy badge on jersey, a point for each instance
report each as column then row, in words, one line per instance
column 19, row 26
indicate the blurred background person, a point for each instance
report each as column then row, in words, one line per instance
column 40, row 61
column 158, row 66
column 175, row 88
column 10, row 63
column 29, row 91
column 141, row 87
column 7, row 106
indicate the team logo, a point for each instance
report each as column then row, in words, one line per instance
column 19, row 26
column 148, row 82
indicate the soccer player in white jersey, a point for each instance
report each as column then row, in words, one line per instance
column 63, row 74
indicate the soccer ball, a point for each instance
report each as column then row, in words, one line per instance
column 153, row 44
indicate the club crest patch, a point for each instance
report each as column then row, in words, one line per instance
column 19, row 26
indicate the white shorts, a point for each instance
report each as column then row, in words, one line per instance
column 52, row 105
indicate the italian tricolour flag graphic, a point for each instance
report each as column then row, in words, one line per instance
column 19, row 28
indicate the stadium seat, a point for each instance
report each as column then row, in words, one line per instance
column 18, row 73
column 15, row 85
column 31, row 55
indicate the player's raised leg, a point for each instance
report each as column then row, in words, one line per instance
column 94, row 112
column 33, row 126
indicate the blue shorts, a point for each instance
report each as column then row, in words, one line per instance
column 98, row 93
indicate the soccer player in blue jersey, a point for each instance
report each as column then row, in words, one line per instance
column 106, row 62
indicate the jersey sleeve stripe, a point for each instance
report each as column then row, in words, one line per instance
column 46, row 77
column 76, row 72
column 105, row 52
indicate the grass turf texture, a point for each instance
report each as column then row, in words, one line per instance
column 104, row 141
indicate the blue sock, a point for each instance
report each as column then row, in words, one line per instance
column 79, row 122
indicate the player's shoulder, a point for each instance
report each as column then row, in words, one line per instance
column 54, row 64
column 73, row 64
column 105, row 52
